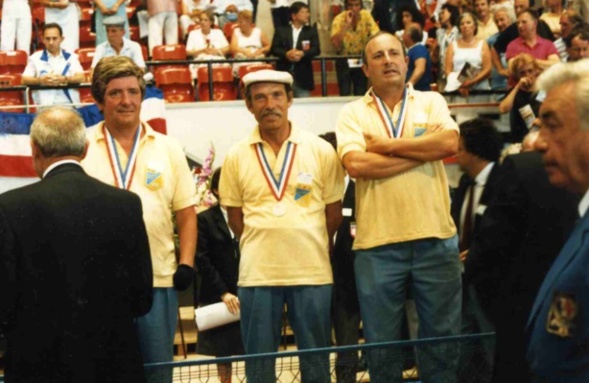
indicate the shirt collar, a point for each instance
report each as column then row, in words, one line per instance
column 295, row 135
column 481, row 178
column 369, row 100
column 111, row 47
column 58, row 163
column 584, row 204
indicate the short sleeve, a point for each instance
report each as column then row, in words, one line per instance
column 349, row 133
column 229, row 189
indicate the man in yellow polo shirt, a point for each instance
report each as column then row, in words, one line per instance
column 129, row 154
column 392, row 142
column 282, row 187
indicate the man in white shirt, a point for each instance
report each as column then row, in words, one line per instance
column 117, row 44
column 53, row 67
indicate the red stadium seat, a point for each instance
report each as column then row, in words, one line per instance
column 169, row 52
column 11, row 97
column 245, row 69
column 134, row 33
column 176, row 83
column 87, row 37
column 86, row 16
column 13, row 62
column 223, row 86
column 86, row 96
column 228, row 30
column 86, row 55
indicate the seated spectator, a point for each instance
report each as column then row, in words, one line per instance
column 248, row 41
column 577, row 43
column 528, row 41
column 468, row 60
column 419, row 67
column 295, row 55
column 408, row 15
column 568, row 20
column 191, row 10
column 485, row 24
column 206, row 43
column 53, row 66
column 105, row 9
column 504, row 16
column 446, row 35
column 520, row 103
column 227, row 10
column 117, row 44
column 551, row 16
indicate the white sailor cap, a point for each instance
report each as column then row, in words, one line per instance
column 267, row 75
column 114, row 21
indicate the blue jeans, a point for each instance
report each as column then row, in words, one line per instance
column 382, row 277
column 308, row 309
column 156, row 331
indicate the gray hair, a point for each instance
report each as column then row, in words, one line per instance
column 59, row 132
column 577, row 73
column 508, row 9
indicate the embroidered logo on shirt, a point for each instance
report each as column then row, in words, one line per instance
column 562, row 316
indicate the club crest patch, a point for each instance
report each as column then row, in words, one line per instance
column 154, row 179
column 563, row 315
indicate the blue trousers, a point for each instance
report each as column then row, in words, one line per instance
column 308, row 309
column 156, row 331
column 430, row 268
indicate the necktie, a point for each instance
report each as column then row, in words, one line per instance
column 467, row 224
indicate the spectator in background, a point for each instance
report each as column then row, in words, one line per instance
column 551, row 16
column 64, row 13
column 105, row 9
column 281, row 15
column 350, row 31
column 385, row 13
column 510, row 33
column 227, row 10
column 207, row 42
column 163, row 23
column 407, row 16
column 486, row 26
column 419, row 66
column 248, row 41
column 295, row 55
column 468, row 60
column 191, row 10
column 577, row 43
column 217, row 262
column 445, row 36
column 504, row 16
column 528, row 41
column 117, row 44
column 568, row 20
column 53, row 67
column 521, row 102
column 16, row 25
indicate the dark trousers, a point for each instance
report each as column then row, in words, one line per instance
column 350, row 77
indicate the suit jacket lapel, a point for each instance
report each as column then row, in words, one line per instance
column 568, row 253
column 220, row 221
column 289, row 38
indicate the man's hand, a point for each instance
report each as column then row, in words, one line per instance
column 232, row 302
column 376, row 144
column 463, row 255
column 183, row 277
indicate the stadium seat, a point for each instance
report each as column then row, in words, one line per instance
column 169, row 52
column 228, row 30
column 223, row 86
column 13, row 62
column 134, row 33
column 86, row 95
column 176, row 83
column 86, row 55
column 11, row 97
column 86, row 16
column 245, row 69
column 87, row 37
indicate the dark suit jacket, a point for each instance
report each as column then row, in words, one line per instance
column 342, row 259
column 217, row 257
column 558, row 328
column 75, row 270
column 302, row 71
column 520, row 234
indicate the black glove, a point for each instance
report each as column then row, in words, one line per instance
column 183, row 277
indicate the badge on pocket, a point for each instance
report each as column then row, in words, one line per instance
column 154, row 178
column 304, row 190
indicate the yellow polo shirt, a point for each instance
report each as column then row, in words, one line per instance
column 484, row 31
column 163, row 181
column 291, row 249
column 414, row 204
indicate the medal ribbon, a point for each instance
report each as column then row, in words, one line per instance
column 387, row 119
column 278, row 187
column 120, row 176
